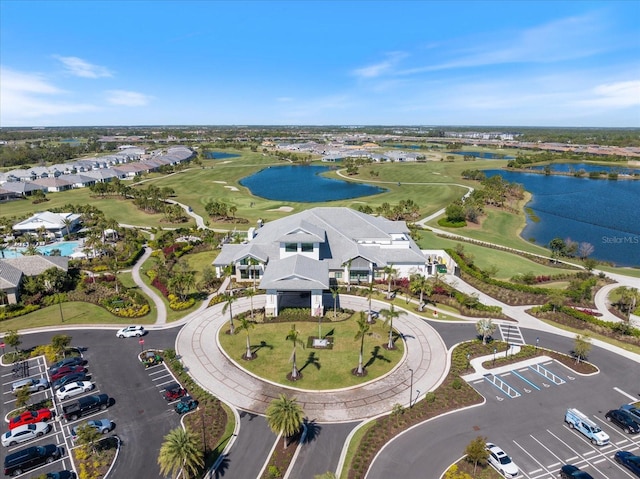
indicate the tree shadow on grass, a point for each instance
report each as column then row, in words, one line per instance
column 256, row 348
column 375, row 355
column 312, row 360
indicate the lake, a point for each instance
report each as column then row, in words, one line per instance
column 588, row 167
column 219, row 155
column 303, row 184
column 601, row 212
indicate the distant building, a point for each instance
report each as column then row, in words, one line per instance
column 55, row 224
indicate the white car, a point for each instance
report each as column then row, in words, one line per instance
column 25, row 433
column 501, row 462
column 130, row 331
column 73, row 389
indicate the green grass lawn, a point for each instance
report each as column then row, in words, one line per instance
column 321, row 368
column 73, row 313
column 198, row 261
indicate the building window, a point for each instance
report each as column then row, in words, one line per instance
column 291, row 247
column 306, row 247
column 338, row 274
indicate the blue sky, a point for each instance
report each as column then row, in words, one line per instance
column 517, row 63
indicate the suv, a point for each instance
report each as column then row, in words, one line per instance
column 569, row 471
column 33, row 384
column 85, row 405
column 18, row 462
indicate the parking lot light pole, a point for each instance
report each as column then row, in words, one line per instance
column 411, row 389
column 537, row 342
column 468, row 360
column 495, row 350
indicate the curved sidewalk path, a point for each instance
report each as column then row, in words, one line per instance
column 426, row 355
column 157, row 300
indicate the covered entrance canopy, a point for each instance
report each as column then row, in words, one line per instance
column 299, row 280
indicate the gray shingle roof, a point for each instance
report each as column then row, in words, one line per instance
column 37, row 264
column 9, row 275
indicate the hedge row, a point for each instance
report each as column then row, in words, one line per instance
column 621, row 327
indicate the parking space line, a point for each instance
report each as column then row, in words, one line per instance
column 633, row 398
column 157, row 372
column 533, row 458
column 501, row 385
column 526, row 380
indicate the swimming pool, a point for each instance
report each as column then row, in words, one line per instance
column 66, row 249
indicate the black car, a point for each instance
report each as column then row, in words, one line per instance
column 61, row 475
column 629, row 460
column 69, row 378
column 570, row 471
column 622, row 418
column 71, row 361
column 18, row 462
column 85, row 405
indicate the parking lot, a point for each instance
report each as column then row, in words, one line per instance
column 540, row 452
column 141, row 415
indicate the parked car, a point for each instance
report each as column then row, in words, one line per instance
column 33, row 384
column 634, row 411
column 18, row 462
column 66, row 370
column 503, row 463
column 173, row 392
column 74, row 389
column 103, row 426
column 61, row 475
column 629, row 460
column 186, row 404
column 569, row 471
column 24, row 433
column 70, row 361
column 624, row 420
column 131, row 331
column 70, row 378
column 30, row 417
column 85, row 405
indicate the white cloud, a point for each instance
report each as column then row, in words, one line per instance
column 620, row 94
column 378, row 69
column 29, row 97
column 81, row 68
column 127, row 98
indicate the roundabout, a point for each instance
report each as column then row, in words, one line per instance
column 423, row 366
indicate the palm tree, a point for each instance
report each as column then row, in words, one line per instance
column 229, row 299
column 180, row 451
column 294, row 337
column 420, row 284
column 363, row 330
column 389, row 315
column 369, row 295
column 246, row 325
column 334, row 295
column 67, row 226
column 252, row 263
column 250, row 292
column 390, row 272
column 285, row 416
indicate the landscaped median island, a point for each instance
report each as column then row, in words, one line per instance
column 322, row 367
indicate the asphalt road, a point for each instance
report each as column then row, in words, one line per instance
column 530, row 428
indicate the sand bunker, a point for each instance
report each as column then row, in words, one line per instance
column 222, row 182
column 232, row 188
column 286, row 209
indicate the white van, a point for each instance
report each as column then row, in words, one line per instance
column 576, row 420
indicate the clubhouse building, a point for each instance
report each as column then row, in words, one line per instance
column 299, row 258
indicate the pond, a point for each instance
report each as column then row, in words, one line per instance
column 220, row 155
column 603, row 213
column 304, row 184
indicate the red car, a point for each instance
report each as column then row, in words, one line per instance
column 30, row 417
column 66, row 370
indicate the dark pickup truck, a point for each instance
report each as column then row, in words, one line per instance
column 85, row 405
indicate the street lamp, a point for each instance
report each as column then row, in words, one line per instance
column 495, row 350
column 468, row 360
column 537, row 342
column 411, row 389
